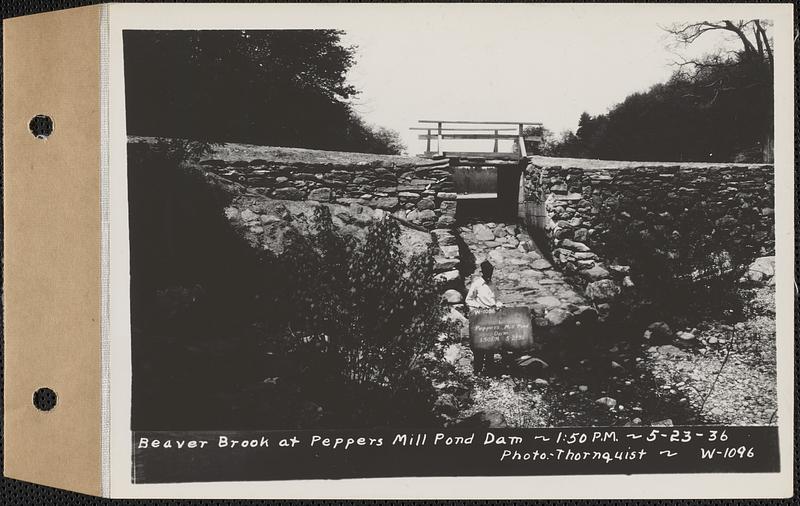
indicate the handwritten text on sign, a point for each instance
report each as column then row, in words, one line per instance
column 505, row 329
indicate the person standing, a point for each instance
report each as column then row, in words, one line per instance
column 482, row 294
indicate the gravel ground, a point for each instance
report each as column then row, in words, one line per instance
column 727, row 373
column 501, row 400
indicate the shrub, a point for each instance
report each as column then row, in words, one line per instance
column 367, row 317
column 685, row 256
column 336, row 332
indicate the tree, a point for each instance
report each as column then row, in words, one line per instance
column 740, row 80
column 717, row 107
column 269, row 87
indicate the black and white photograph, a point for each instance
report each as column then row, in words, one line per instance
column 555, row 225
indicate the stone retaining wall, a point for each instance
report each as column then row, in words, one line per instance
column 420, row 194
column 579, row 200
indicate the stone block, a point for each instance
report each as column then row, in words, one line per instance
column 386, row 202
column 426, row 203
column 289, row 193
column 320, row 194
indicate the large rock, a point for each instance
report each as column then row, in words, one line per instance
column 289, row 193
column 540, row 264
column 594, row 273
column 444, row 237
column 442, row 264
column 659, row 332
column 449, row 251
column 448, row 207
column 548, row 301
column 575, row 246
column 320, row 194
column 445, row 221
column 761, row 270
column 247, row 215
column 386, row 203
column 608, row 402
column 603, row 290
column 448, row 276
column 426, row 203
column 482, row 232
column 453, row 297
column 426, row 216
column 557, row 316
column 231, row 213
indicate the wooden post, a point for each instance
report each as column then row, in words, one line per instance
column 428, row 144
column 521, row 142
column 439, row 140
column 495, row 142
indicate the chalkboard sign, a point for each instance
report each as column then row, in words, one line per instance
column 505, row 329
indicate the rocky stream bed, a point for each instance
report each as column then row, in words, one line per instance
column 716, row 373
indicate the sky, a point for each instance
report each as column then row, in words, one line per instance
column 540, row 65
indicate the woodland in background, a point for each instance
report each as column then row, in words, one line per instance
column 267, row 87
column 717, row 108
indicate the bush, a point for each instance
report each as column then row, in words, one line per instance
column 685, row 257
column 367, row 318
column 335, row 332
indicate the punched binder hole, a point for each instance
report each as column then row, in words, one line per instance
column 44, row 399
column 41, row 126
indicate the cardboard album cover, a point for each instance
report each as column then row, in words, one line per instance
column 400, row 250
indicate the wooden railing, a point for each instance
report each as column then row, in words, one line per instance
column 441, row 130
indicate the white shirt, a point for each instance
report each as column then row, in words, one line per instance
column 482, row 294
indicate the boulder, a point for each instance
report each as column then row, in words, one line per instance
column 248, row 215
column 448, row 207
column 269, row 218
column 602, row 291
column 449, row 251
column 289, row 193
column 320, row 194
column 426, row 203
column 500, row 232
column 441, row 264
column 659, row 332
column 548, row 301
column 482, row 232
column 573, row 245
column 761, row 270
column 444, row 237
column 608, row 402
column 496, row 256
column 594, row 273
column 445, row 221
column 231, row 213
column 426, row 216
column 557, row 316
column 669, row 350
column 540, row 264
column 447, row 277
column 453, row 297
column 386, row 202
